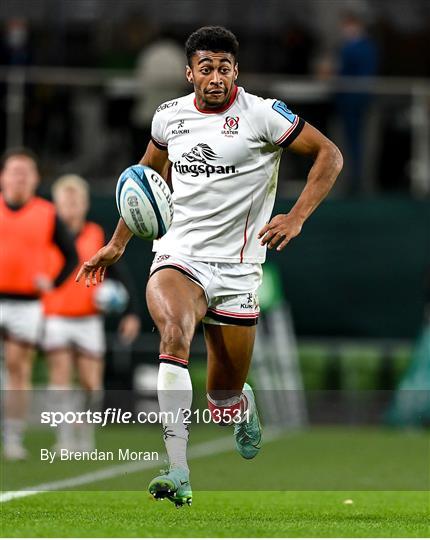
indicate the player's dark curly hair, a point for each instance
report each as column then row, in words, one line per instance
column 211, row 38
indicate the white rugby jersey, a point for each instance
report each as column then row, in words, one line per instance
column 224, row 173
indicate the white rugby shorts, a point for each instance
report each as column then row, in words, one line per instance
column 85, row 334
column 230, row 289
column 21, row 320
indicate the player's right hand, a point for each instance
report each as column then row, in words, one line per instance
column 94, row 270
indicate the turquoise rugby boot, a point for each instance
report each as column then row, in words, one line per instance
column 248, row 434
column 174, row 485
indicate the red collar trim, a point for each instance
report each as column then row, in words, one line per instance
column 221, row 109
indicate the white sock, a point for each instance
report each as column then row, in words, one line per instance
column 86, row 432
column 175, row 393
column 62, row 399
column 13, row 431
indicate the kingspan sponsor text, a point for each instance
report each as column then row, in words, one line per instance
column 204, row 168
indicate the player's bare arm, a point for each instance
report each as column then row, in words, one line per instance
column 327, row 165
column 94, row 270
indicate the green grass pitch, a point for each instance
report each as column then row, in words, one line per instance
column 304, row 479
column 219, row 514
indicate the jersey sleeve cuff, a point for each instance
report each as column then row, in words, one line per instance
column 292, row 132
column 158, row 144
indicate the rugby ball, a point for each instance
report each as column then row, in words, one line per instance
column 111, row 297
column 144, row 202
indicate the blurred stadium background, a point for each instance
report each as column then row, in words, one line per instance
column 77, row 79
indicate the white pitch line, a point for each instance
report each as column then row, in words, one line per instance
column 208, row 448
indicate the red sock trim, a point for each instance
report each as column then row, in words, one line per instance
column 172, row 358
column 223, row 416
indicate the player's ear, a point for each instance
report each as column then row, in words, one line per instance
column 236, row 71
column 189, row 74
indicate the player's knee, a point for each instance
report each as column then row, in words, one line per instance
column 175, row 340
column 18, row 374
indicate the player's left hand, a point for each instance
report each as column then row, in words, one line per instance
column 280, row 230
column 129, row 328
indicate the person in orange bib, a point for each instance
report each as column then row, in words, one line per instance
column 74, row 328
column 29, row 230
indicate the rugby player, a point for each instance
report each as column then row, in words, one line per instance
column 223, row 146
column 29, row 228
column 74, row 328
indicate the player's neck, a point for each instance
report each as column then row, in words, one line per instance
column 201, row 106
column 75, row 226
column 15, row 203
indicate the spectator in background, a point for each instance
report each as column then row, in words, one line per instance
column 14, row 51
column 29, row 229
column 74, row 331
column 15, row 46
column 160, row 76
column 358, row 57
